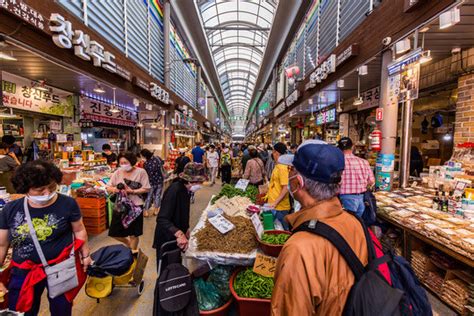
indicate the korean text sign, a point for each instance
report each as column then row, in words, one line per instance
column 20, row 93
column 98, row 111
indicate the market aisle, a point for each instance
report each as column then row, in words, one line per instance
column 125, row 301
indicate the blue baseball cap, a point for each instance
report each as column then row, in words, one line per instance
column 319, row 161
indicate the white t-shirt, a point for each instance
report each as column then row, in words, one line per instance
column 213, row 159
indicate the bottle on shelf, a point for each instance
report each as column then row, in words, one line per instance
column 436, row 201
column 444, row 206
column 441, row 201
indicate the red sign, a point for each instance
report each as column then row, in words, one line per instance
column 98, row 111
column 379, row 114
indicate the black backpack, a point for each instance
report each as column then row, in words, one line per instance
column 370, row 212
column 371, row 294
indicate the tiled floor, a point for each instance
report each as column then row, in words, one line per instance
column 125, row 301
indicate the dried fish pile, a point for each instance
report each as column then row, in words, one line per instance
column 242, row 239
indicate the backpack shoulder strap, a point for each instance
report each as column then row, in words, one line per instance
column 329, row 233
column 368, row 238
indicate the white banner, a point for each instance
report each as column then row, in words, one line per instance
column 20, row 93
column 100, row 112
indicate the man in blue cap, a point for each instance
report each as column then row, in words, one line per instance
column 311, row 277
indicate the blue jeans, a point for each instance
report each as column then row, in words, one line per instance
column 353, row 203
column 58, row 306
column 280, row 215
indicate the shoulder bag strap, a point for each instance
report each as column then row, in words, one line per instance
column 33, row 234
column 329, row 233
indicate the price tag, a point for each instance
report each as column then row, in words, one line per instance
column 242, row 184
column 414, row 184
column 257, row 223
column 265, row 265
column 221, row 224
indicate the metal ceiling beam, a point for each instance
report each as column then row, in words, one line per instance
column 288, row 17
column 187, row 20
column 237, row 28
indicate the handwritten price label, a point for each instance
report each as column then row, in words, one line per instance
column 221, row 224
column 257, row 224
column 265, row 265
column 242, row 184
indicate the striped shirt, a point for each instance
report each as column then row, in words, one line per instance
column 357, row 175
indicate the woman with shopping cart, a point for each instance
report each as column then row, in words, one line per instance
column 172, row 222
column 130, row 182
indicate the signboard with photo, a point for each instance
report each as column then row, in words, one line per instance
column 98, row 111
column 21, row 93
column 324, row 117
column 409, row 82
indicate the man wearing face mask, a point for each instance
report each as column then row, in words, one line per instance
column 173, row 220
column 304, row 285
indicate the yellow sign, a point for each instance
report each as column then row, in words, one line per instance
column 265, row 265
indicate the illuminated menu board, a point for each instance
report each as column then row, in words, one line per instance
column 324, row 117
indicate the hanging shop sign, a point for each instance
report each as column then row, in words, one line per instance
column 398, row 65
column 325, row 117
column 182, row 120
column 24, row 12
column 292, row 98
column 145, row 85
column 280, row 108
column 348, row 53
column 21, row 93
column 371, row 99
column 159, row 93
column 99, row 111
column 322, row 72
column 85, row 123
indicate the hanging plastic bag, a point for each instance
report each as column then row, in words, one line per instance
column 207, row 295
column 220, row 277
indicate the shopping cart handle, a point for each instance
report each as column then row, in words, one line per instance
column 167, row 246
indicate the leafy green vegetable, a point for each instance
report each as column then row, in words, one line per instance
column 230, row 191
column 278, row 239
column 252, row 285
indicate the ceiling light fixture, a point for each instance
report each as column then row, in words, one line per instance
column 7, row 114
column 363, row 70
column 98, row 89
column 358, row 100
column 424, row 29
column 136, row 102
column 402, row 46
column 114, row 108
column 449, row 18
column 340, row 83
column 5, row 56
column 425, row 57
column 154, row 125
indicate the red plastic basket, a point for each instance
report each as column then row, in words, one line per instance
column 269, row 249
column 249, row 306
column 221, row 311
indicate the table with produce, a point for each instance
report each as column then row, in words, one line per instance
column 236, row 238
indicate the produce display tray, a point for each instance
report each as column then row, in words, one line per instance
column 237, row 259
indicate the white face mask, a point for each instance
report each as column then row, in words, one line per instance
column 42, row 199
column 195, row 188
column 226, row 150
column 126, row 167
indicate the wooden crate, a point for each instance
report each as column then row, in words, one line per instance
column 96, row 230
column 93, row 212
column 94, row 221
column 91, row 203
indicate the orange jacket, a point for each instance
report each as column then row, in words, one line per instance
column 311, row 277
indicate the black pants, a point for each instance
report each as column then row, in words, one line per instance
column 226, row 174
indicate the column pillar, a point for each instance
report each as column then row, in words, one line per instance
column 464, row 124
column 388, row 126
column 166, row 33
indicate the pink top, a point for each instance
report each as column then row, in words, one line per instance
column 137, row 175
column 254, row 170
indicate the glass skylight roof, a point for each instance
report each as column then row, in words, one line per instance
column 237, row 33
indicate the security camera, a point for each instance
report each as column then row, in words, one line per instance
column 386, row 41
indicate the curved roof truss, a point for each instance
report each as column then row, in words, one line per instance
column 237, row 33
